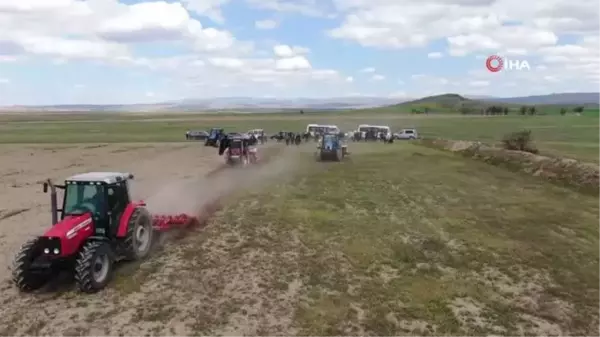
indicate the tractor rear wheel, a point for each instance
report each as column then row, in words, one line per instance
column 140, row 233
column 22, row 275
column 94, row 266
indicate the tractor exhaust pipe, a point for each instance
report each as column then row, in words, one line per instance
column 53, row 200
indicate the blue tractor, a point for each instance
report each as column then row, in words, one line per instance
column 331, row 148
column 214, row 137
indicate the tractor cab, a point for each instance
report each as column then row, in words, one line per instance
column 103, row 195
column 214, row 137
column 236, row 147
column 330, row 142
column 331, row 147
column 214, row 133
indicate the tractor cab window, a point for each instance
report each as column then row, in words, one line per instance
column 329, row 141
column 236, row 144
column 214, row 133
column 117, row 197
column 83, row 198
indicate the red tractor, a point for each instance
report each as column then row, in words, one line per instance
column 237, row 150
column 97, row 226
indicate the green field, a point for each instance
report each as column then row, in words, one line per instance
column 569, row 136
column 396, row 239
column 414, row 240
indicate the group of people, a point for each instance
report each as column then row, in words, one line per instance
column 372, row 135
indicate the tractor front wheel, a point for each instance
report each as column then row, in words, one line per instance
column 338, row 155
column 23, row 276
column 94, row 266
column 140, row 233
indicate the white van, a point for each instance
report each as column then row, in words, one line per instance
column 321, row 128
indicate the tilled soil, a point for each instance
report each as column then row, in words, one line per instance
column 167, row 176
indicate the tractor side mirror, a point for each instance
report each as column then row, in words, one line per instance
column 45, row 188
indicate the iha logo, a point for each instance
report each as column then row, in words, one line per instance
column 496, row 63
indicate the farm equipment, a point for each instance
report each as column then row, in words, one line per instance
column 214, row 137
column 98, row 225
column 330, row 148
column 238, row 150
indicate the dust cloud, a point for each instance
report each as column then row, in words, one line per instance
column 192, row 196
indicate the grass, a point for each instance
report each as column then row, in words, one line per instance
column 555, row 135
column 404, row 239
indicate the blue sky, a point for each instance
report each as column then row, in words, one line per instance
column 106, row 51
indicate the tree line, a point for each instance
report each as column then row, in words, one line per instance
column 524, row 110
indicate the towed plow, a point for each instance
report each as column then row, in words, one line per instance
column 163, row 223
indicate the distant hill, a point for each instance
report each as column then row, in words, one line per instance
column 439, row 103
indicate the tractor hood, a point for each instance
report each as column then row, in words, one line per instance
column 72, row 226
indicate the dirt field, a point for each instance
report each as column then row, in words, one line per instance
column 170, row 177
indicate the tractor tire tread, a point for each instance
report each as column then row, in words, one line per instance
column 83, row 267
column 128, row 243
column 20, row 275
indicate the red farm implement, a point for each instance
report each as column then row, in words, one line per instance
column 97, row 225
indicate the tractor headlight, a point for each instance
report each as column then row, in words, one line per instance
column 55, row 251
column 46, row 251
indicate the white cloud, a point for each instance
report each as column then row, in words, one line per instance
column 283, row 50
column 4, row 80
column 525, row 30
column 208, row 55
column 226, row 62
column 266, row 24
column 111, row 32
column 102, row 29
column 293, row 63
column 208, row 8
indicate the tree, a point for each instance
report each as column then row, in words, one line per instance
column 505, row 110
column 465, row 110
column 563, row 111
column 531, row 110
column 302, row 112
column 578, row 109
column 523, row 110
column 493, row 110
